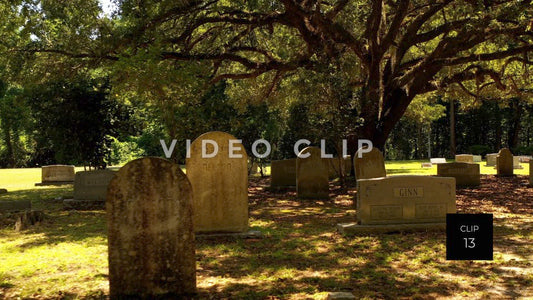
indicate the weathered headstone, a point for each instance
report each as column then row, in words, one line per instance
column 283, row 173
column 57, row 174
column 491, row 159
column 465, row 174
column 219, row 183
column 467, row 158
column 402, row 203
column 504, row 163
column 477, row 158
column 437, row 160
column 516, row 163
column 312, row 175
column 150, row 232
column 90, row 190
column 369, row 165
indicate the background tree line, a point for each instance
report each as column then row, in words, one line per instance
column 88, row 88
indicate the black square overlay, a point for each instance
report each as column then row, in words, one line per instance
column 469, row 237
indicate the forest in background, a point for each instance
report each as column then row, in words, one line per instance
column 84, row 87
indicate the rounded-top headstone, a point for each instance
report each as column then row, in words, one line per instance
column 369, row 164
column 219, row 183
column 504, row 163
column 312, row 174
column 150, row 231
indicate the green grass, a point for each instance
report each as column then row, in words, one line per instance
column 301, row 257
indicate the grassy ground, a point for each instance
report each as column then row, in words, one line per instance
column 301, row 257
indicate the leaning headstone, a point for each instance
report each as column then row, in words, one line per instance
column 219, row 183
column 477, row 158
column 57, row 175
column 437, row 160
column 504, row 163
column 402, row 203
column 311, row 175
column 283, row 173
column 467, row 158
column 90, row 190
column 491, row 159
column 465, row 174
column 516, row 163
column 150, row 232
column 369, row 165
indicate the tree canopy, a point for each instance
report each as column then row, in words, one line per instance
column 383, row 53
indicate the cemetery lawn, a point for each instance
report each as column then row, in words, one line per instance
column 301, row 256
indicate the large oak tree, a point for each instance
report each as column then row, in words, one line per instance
column 397, row 50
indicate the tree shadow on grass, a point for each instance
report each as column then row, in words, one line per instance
column 42, row 198
column 68, row 227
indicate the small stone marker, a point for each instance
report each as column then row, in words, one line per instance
column 370, row 165
column 504, row 163
column 491, row 159
column 477, row 158
column 402, row 203
column 90, row 190
column 15, row 205
column 57, row 174
column 465, row 174
column 312, row 175
column 340, row 296
column 427, row 165
column 219, row 183
column 516, row 163
column 467, row 158
column 437, row 160
column 3, row 191
column 150, row 232
column 283, row 173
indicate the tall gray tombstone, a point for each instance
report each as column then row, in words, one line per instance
column 219, row 183
column 504, row 163
column 312, row 174
column 369, row 164
column 150, row 231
